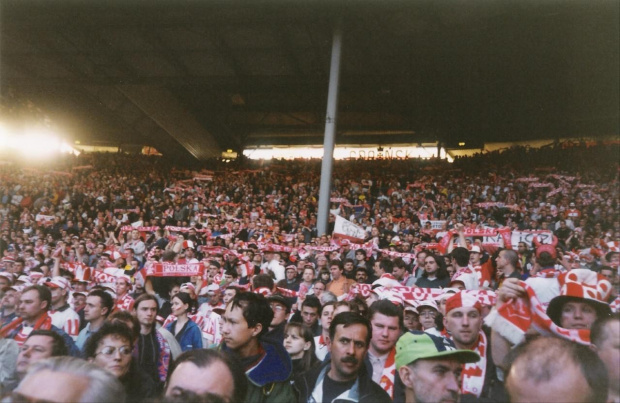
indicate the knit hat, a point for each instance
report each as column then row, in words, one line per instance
column 463, row 300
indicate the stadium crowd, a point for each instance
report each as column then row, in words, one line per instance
column 492, row 278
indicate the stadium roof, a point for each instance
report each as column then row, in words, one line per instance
column 193, row 78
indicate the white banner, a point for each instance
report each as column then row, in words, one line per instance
column 346, row 229
column 544, row 237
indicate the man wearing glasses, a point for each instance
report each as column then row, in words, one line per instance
column 281, row 308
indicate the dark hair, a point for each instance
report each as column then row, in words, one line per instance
column 145, row 297
column 262, row 280
column 387, row 308
column 326, row 304
column 59, row 347
column 186, row 299
column 106, row 300
column 362, row 306
column 545, row 259
column 336, row 262
column 399, row 262
column 347, row 319
column 231, row 272
column 119, row 329
column 44, row 294
column 386, row 265
column 598, row 333
column 125, row 317
column 309, row 359
column 442, row 272
column 312, row 302
column 461, row 255
column 352, row 306
column 362, row 251
column 255, row 308
column 546, row 358
column 204, row 358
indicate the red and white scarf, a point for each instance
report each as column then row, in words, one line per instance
column 513, row 319
column 388, row 374
column 475, row 373
column 19, row 332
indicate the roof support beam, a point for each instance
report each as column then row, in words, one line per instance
column 170, row 115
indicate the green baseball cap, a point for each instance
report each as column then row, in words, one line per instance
column 413, row 346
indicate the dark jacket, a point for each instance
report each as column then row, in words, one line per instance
column 269, row 380
column 364, row 390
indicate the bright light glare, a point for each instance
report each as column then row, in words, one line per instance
column 37, row 143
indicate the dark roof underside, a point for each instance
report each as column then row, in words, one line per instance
column 196, row 78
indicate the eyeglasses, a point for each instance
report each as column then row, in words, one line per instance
column 109, row 351
column 276, row 307
column 428, row 313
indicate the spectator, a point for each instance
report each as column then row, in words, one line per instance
column 198, row 374
column 110, row 348
column 344, row 376
column 267, row 365
column 185, row 330
column 99, row 305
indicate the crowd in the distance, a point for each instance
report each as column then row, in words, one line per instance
column 495, row 277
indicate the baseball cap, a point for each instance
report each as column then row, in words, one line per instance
column 58, row 282
column 414, row 346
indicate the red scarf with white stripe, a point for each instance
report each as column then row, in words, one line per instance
column 17, row 331
column 388, row 374
column 474, row 373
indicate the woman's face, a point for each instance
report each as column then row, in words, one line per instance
column 178, row 307
column 294, row 344
column 411, row 320
column 114, row 355
column 577, row 315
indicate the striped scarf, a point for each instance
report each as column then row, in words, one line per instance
column 388, row 374
column 17, row 331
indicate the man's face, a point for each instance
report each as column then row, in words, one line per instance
column 348, row 349
column 279, row 313
column 228, row 296
column 577, row 315
column 308, row 275
column 93, row 309
column 326, row 316
column 30, row 306
column 4, row 283
column 335, row 272
column 121, row 286
column 501, row 262
column 399, row 272
column 291, row 274
column 361, row 277
column 309, row 315
column 430, row 265
column 348, row 267
column 235, row 330
column 79, row 301
column 474, row 258
column 17, row 268
column 36, row 348
column 385, row 333
column 57, row 295
column 147, row 313
column 464, row 324
column 432, row 380
column 215, row 378
column 10, row 300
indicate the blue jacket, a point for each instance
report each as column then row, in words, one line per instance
column 190, row 337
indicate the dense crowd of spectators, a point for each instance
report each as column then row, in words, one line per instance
column 211, row 283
